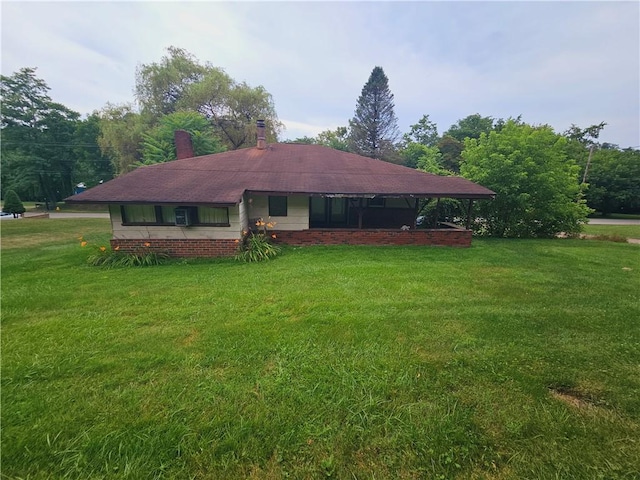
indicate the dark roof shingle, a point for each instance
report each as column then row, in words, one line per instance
column 222, row 178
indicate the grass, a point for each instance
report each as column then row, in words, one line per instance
column 624, row 231
column 65, row 207
column 513, row 359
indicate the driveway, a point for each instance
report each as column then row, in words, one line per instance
column 78, row 215
column 67, row 215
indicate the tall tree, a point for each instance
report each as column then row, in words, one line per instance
column 93, row 166
column 180, row 82
column 537, row 186
column 471, row 126
column 37, row 139
column 586, row 136
column 374, row 127
column 424, row 132
column 451, row 151
column 121, row 130
column 614, row 181
column 160, row 86
column 337, row 139
column 159, row 143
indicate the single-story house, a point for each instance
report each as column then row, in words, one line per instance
column 200, row 206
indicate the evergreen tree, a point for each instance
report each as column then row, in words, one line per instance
column 12, row 204
column 374, row 128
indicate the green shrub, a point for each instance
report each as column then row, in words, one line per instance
column 12, row 203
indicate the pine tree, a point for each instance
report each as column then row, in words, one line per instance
column 12, row 204
column 374, row 128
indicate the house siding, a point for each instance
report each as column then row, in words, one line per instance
column 244, row 216
column 297, row 212
column 166, row 232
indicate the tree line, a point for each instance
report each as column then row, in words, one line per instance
column 47, row 148
column 546, row 182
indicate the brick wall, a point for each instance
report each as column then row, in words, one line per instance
column 180, row 247
column 340, row 236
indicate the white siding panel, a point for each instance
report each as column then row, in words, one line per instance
column 166, row 231
column 297, row 212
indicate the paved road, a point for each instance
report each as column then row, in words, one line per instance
column 612, row 221
column 78, row 215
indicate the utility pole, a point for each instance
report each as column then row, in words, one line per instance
column 586, row 169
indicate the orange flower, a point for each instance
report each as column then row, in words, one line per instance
column 102, row 249
column 237, row 241
column 273, row 235
column 270, row 225
column 83, row 244
column 117, row 248
column 147, row 244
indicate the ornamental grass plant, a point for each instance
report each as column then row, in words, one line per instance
column 256, row 245
column 142, row 256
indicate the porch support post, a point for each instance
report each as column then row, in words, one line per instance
column 469, row 211
column 437, row 213
column 416, row 205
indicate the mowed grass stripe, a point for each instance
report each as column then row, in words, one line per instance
column 511, row 359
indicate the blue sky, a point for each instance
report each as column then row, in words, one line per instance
column 551, row 62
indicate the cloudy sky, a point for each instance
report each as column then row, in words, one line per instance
column 551, row 62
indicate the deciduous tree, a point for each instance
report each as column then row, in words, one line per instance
column 121, row 130
column 159, row 144
column 424, row 132
column 180, row 82
column 537, row 186
column 37, row 139
column 471, row 126
column 92, row 165
column 614, row 181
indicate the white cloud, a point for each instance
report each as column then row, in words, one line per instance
column 552, row 62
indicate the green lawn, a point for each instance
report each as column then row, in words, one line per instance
column 623, row 231
column 513, row 359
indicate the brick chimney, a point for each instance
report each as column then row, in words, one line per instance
column 262, row 140
column 184, row 147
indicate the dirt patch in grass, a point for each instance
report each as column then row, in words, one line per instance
column 576, row 398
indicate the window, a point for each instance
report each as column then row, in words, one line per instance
column 213, row 216
column 277, row 206
column 166, row 215
column 138, row 214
